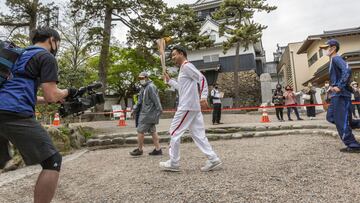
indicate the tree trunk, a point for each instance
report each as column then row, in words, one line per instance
column 236, row 76
column 105, row 48
column 33, row 15
column 104, row 53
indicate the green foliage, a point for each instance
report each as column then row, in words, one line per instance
column 236, row 16
column 25, row 13
column 76, row 49
column 87, row 132
column 181, row 24
column 125, row 66
column 20, row 39
column 140, row 16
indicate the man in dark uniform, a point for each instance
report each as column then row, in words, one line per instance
column 36, row 67
column 339, row 112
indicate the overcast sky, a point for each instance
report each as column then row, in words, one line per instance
column 293, row 21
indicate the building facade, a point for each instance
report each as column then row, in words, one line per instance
column 218, row 67
column 292, row 68
column 318, row 62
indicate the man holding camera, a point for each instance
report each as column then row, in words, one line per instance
column 149, row 110
column 36, row 67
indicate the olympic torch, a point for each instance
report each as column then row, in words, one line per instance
column 161, row 46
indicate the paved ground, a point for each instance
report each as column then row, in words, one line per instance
column 298, row 168
column 106, row 127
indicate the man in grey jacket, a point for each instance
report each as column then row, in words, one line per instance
column 150, row 110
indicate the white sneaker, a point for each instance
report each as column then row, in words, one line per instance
column 211, row 165
column 167, row 166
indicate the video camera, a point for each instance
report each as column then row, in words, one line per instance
column 78, row 104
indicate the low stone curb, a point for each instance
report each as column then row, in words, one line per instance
column 214, row 134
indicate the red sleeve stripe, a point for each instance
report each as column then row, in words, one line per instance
column 202, row 84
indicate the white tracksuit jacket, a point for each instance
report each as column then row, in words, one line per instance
column 192, row 86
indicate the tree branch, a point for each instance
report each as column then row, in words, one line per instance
column 14, row 24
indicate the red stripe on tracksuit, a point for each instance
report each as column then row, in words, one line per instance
column 202, row 84
column 182, row 120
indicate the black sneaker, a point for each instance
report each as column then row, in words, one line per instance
column 136, row 152
column 290, row 119
column 156, row 152
column 350, row 150
column 300, row 119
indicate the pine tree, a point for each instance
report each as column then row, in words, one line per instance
column 29, row 14
column 137, row 15
column 236, row 21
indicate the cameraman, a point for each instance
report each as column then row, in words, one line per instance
column 35, row 67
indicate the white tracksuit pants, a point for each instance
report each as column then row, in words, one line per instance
column 194, row 121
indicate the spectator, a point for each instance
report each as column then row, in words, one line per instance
column 216, row 101
column 150, row 110
column 325, row 95
column 355, row 98
column 278, row 100
column 309, row 98
column 290, row 101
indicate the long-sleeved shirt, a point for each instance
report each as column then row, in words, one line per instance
column 192, row 86
column 289, row 98
column 340, row 74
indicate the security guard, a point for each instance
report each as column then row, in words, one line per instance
column 339, row 112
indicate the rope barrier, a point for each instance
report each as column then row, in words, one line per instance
column 223, row 109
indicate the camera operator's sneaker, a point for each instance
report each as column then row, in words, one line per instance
column 211, row 165
column 136, row 152
column 156, row 152
column 167, row 166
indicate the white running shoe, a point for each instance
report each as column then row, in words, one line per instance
column 211, row 165
column 167, row 166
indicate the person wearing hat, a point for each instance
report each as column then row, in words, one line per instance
column 355, row 98
column 149, row 108
column 339, row 112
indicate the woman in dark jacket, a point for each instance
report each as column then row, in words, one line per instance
column 310, row 99
column 278, row 100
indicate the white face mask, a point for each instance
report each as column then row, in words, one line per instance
column 326, row 85
column 328, row 52
column 142, row 82
column 355, row 86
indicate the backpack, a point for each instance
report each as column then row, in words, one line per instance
column 9, row 53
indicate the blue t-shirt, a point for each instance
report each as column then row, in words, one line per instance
column 340, row 75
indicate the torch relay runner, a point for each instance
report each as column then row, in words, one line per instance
column 193, row 93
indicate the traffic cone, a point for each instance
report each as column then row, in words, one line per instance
column 56, row 121
column 265, row 117
column 122, row 121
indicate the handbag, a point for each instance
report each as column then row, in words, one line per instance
column 306, row 96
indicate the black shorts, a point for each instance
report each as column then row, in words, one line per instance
column 28, row 136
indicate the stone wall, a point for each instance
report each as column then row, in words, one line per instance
column 250, row 88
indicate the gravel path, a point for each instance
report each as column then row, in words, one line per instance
column 299, row 168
